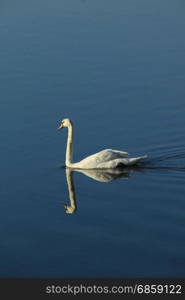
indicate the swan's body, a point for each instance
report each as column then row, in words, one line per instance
column 105, row 159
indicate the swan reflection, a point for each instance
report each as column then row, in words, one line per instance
column 70, row 209
column 96, row 174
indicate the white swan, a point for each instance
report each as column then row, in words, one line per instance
column 105, row 159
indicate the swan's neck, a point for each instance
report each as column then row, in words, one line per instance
column 69, row 146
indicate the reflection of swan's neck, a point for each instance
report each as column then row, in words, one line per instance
column 69, row 145
column 72, row 208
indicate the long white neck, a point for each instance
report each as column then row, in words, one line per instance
column 69, row 146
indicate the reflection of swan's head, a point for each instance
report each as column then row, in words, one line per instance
column 65, row 123
column 69, row 209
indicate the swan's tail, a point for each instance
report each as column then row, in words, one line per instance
column 134, row 160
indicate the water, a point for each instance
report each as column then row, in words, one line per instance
column 117, row 70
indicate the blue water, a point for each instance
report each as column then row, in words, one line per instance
column 117, row 70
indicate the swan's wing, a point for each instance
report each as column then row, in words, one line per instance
column 110, row 154
column 108, row 159
column 93, row 161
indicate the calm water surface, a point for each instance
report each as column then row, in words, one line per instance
column 117, row 70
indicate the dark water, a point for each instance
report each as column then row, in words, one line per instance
column 116, row 68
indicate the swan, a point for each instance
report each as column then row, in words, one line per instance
column 105, row 159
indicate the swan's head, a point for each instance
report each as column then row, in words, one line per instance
column 65, row 123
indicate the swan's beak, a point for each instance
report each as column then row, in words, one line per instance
column 60, row 127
